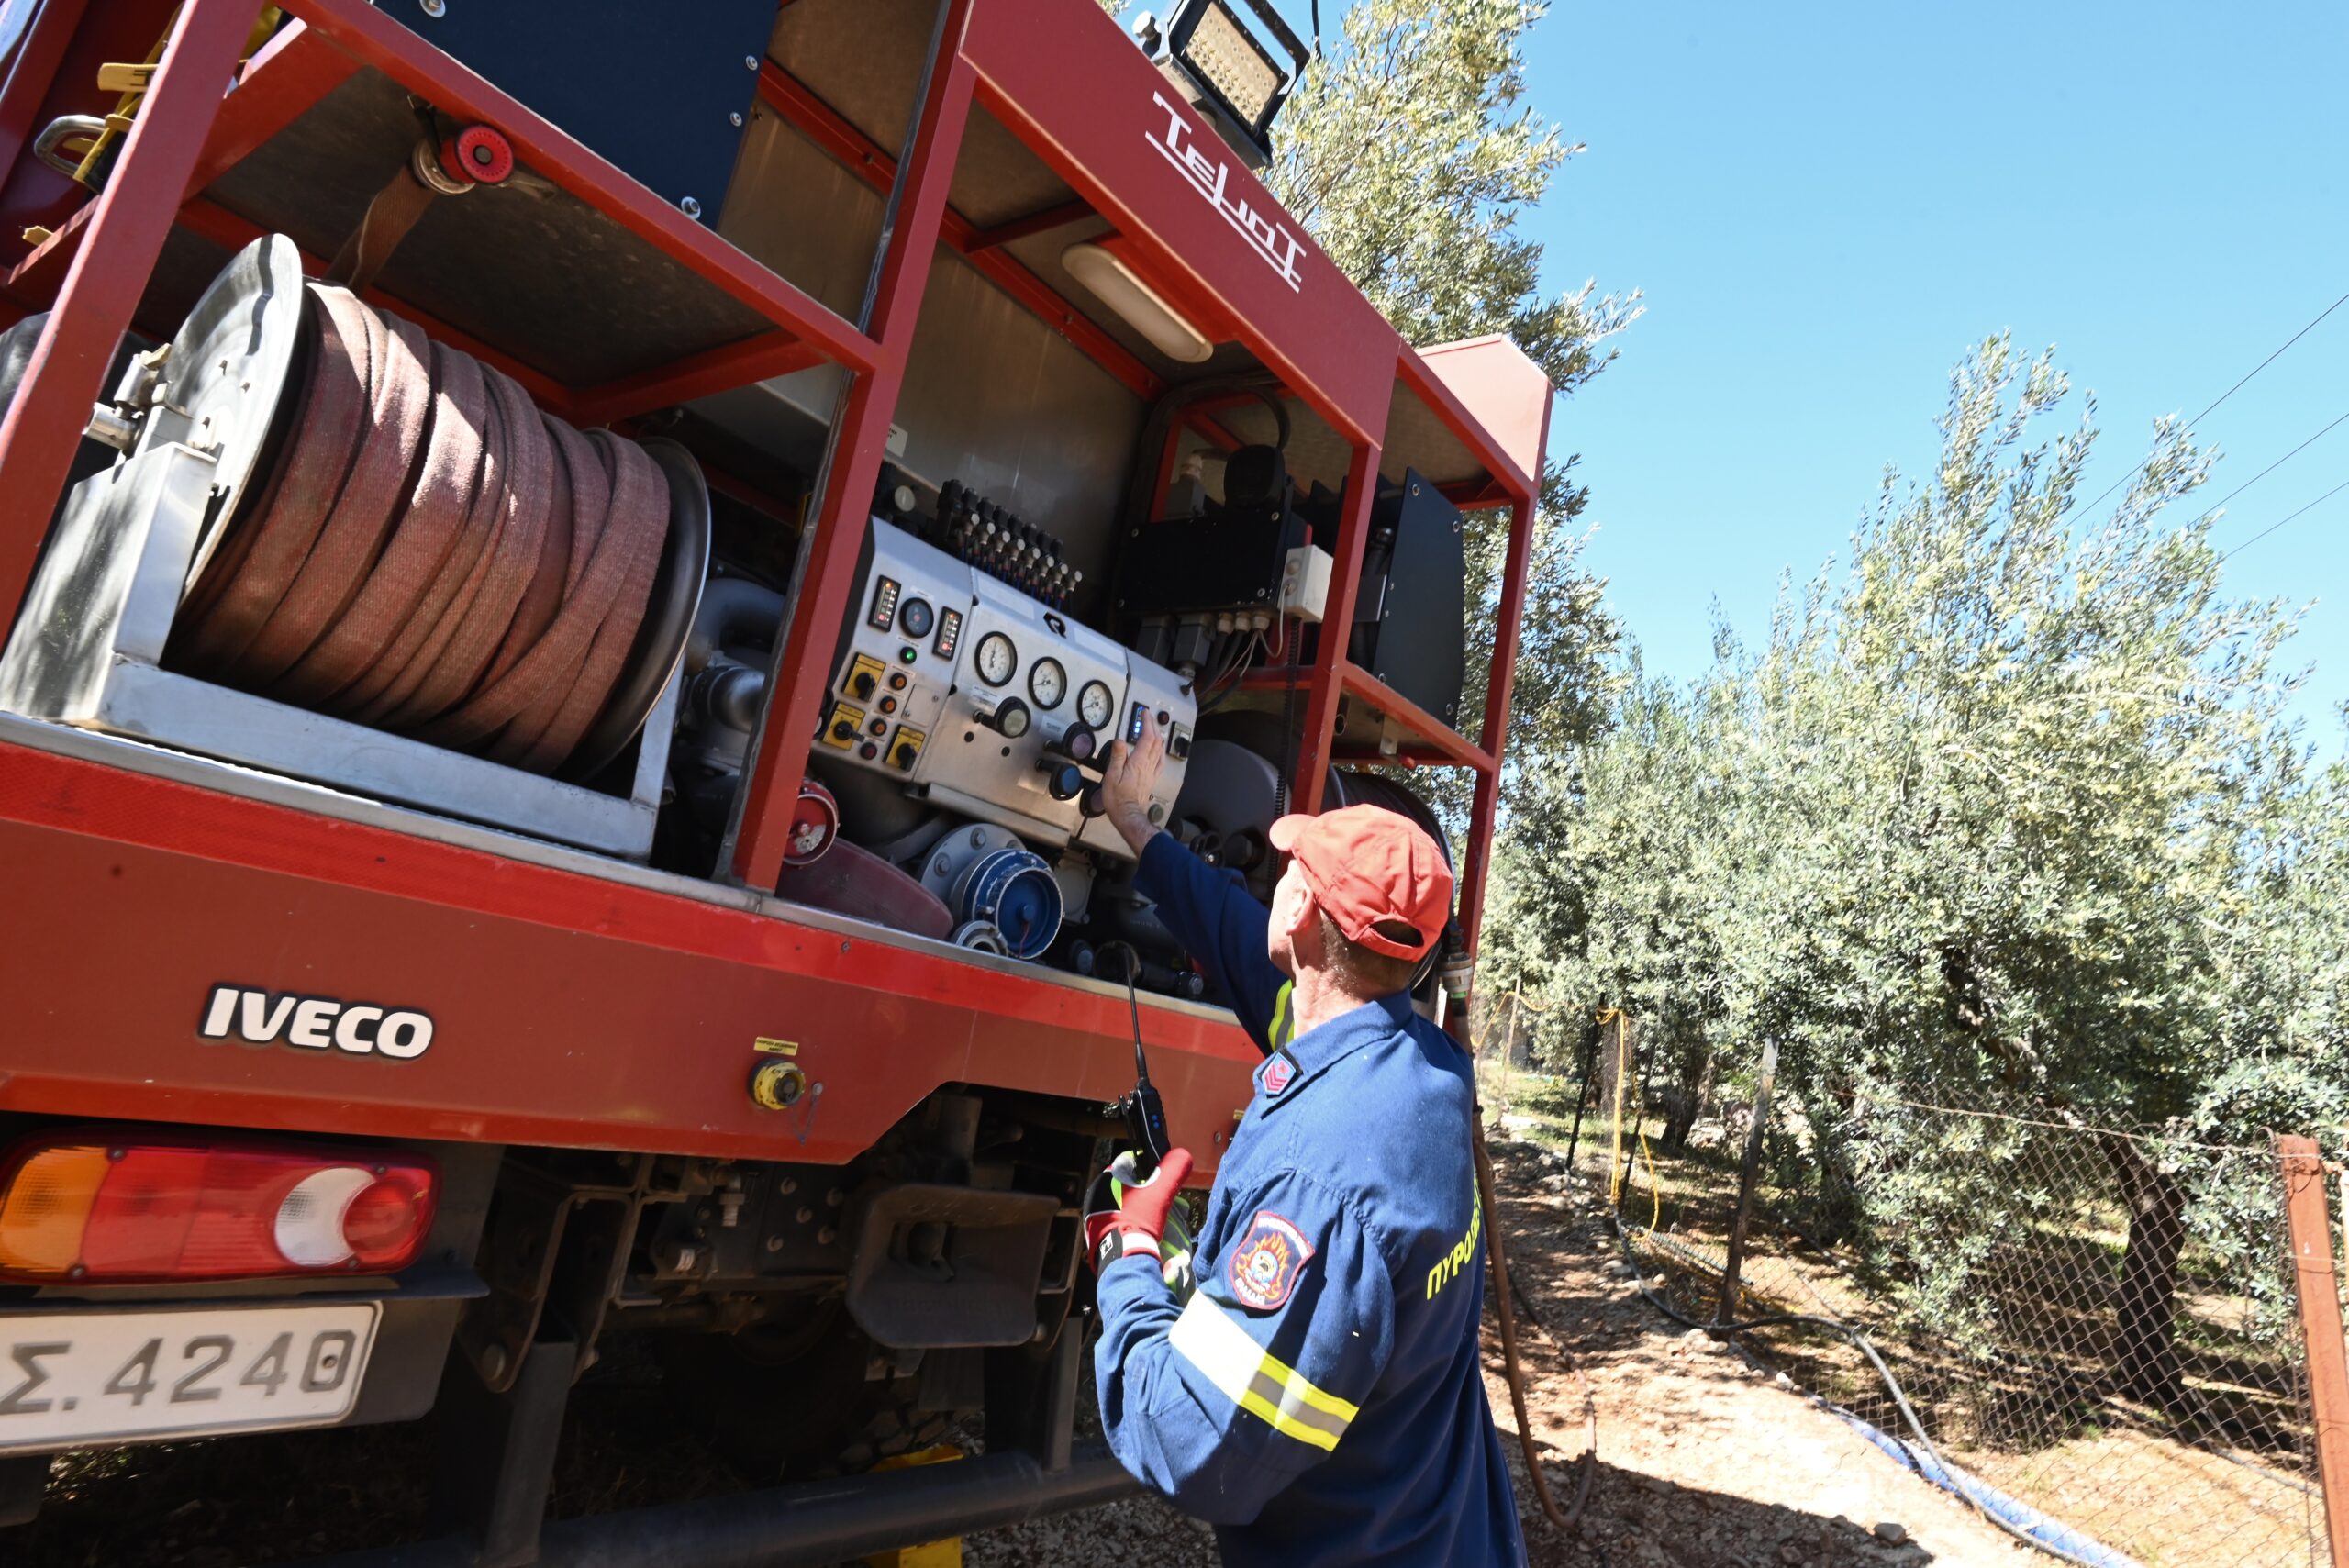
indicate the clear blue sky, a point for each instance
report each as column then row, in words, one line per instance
column 1826, row 204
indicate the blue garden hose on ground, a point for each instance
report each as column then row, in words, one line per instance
column 2017, row 1519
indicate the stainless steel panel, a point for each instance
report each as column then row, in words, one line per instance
column 965, row 765
column 794, row 210
column 998, row 400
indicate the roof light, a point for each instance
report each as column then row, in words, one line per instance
column 1137, row 304
column 109, row 1211
column 1227, row 67
column 1220, row 52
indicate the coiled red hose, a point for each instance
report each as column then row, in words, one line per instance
column 431, row 555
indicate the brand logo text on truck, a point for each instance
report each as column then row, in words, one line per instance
column 315, row 1023
column 1211, row 176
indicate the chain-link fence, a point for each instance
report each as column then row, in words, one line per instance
column 2093, row 1327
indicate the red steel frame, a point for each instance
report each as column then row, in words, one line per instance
column 575, row 1009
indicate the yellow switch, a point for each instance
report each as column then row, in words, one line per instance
column 864, row 677
column 841, row 728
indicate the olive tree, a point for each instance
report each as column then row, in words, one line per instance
column 2006, row 807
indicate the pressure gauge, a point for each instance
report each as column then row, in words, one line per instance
column 998, row 660
column 1047, row 683
column 1097, row 705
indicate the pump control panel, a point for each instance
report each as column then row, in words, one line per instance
column 986, row 702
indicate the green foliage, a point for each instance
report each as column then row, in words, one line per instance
column 2002, row 812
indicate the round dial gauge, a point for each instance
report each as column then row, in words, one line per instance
column 1047, row 683
column 915, row 617
column 996, row 660
column 1096, row 706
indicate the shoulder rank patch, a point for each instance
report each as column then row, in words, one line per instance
column 1278, row 1072
column 1266, row 1264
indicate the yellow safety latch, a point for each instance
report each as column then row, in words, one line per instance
column 932, row 1554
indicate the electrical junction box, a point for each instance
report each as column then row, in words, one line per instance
column 1304, row 582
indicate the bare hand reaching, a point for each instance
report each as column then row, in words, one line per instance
column 1129, row 780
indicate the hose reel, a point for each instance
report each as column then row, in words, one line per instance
column 402, row 539
column 338, row 552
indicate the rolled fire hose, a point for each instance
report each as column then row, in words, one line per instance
column 431, row 554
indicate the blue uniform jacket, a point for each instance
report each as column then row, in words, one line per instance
column 1319, row 1399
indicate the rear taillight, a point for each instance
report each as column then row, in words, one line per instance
column 127, row 1209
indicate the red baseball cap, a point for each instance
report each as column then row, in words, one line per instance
column 1367, row 865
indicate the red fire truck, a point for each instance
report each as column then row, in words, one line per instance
column 568, row 573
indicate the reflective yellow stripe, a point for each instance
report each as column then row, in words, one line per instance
column 1278, row 1034
column 1275, row 1393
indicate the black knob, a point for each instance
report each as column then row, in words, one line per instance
column 1178, row 746
column 861, row 685
column 902, row 755
column 1064, row 781
column 1010, row 719
column 843, row 729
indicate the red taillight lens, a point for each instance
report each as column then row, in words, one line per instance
column 387, row 1219
column 115, row 1210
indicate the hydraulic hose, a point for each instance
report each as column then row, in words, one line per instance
column 430, row 555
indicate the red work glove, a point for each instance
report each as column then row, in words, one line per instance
column 1125, row 1218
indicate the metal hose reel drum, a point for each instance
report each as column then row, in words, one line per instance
column 398, row 537
column 989, row 879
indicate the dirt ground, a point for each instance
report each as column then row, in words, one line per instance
column 1704, row 1460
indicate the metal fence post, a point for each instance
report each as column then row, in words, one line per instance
column 2318, row 1286
column 1726, row 1312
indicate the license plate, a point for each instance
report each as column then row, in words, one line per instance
column 78, row 1378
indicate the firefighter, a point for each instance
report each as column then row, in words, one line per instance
column 1316, row 1394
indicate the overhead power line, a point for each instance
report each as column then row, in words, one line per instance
column 2282, row 520
column 2230, row 391
column 2272, row 358
column 2277, row 464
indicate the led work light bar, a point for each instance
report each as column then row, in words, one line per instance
column 1225, row 66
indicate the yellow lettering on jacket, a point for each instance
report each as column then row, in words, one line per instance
column 1463, row 1254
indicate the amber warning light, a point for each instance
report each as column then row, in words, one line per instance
column 102, row 1210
